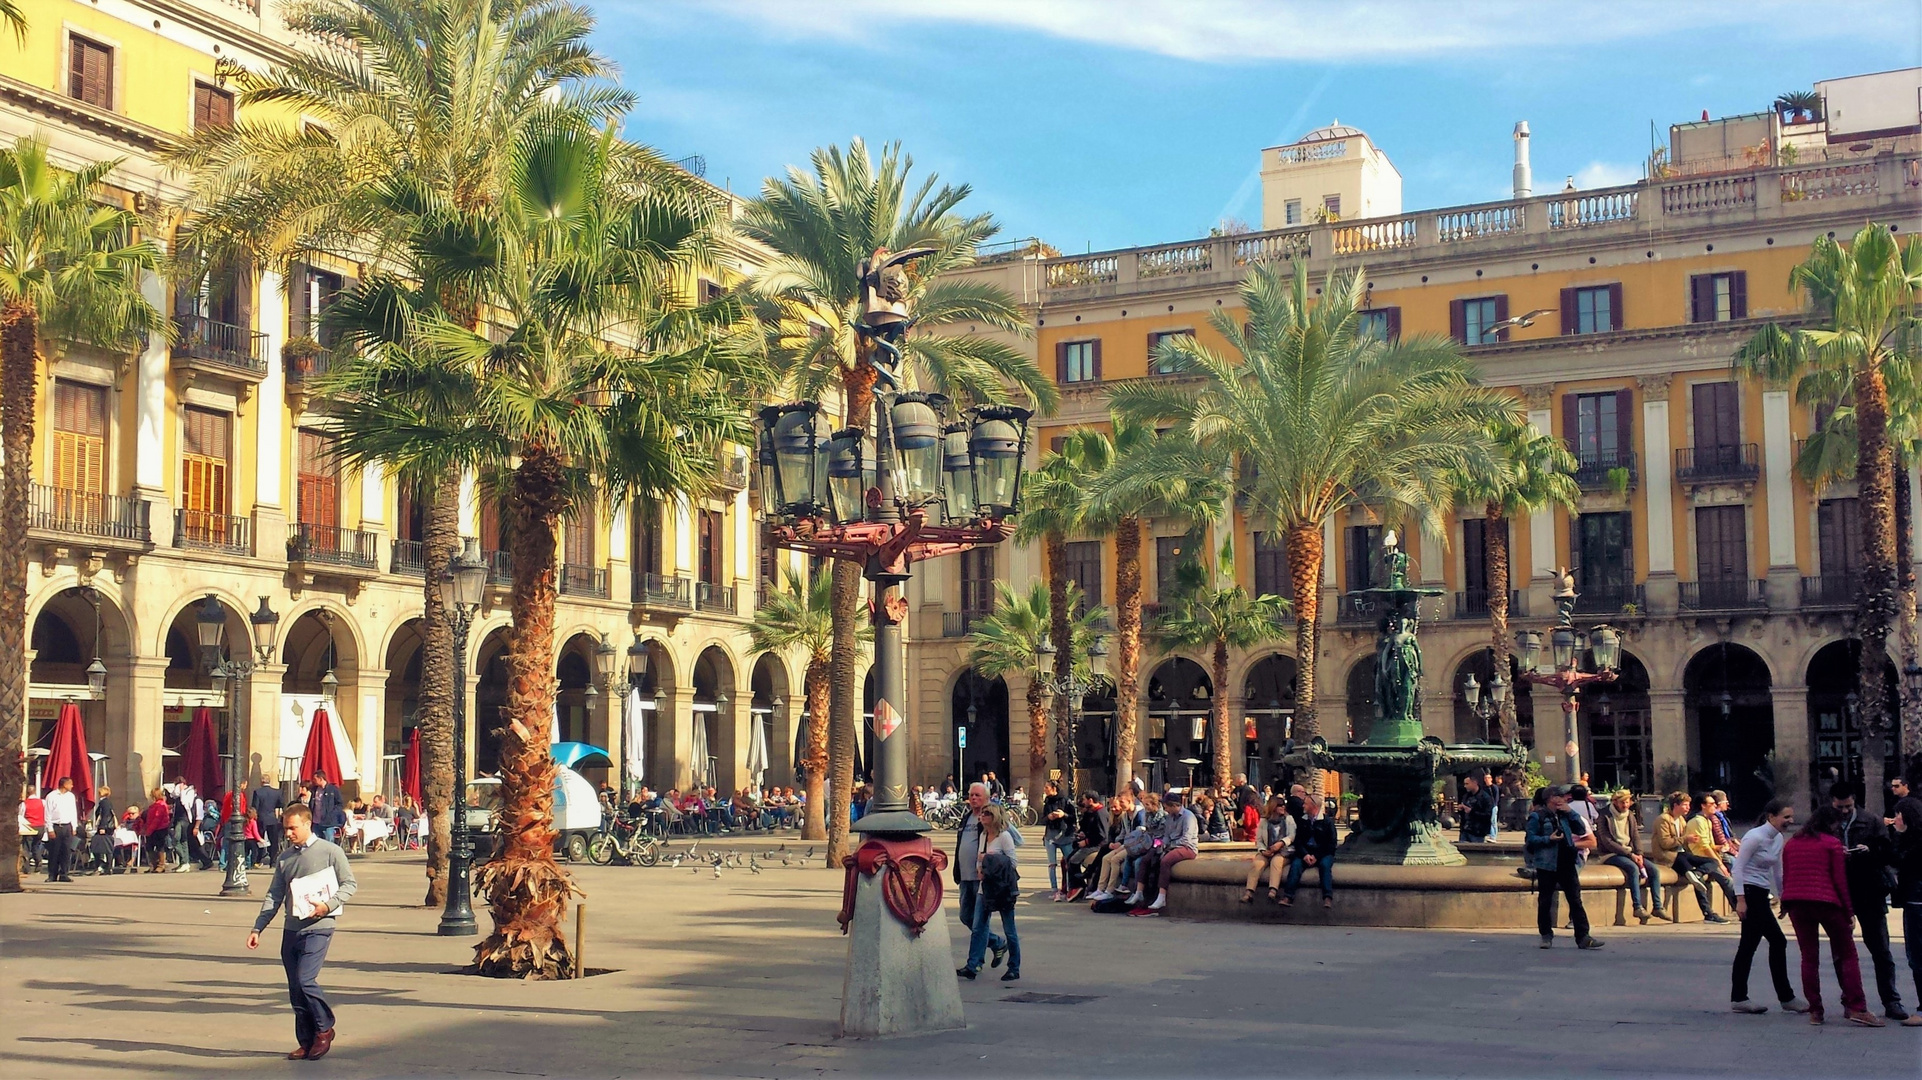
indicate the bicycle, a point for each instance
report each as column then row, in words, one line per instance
column 625, row 837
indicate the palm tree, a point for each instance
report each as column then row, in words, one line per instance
column 1312, row 410
column 70, row 270
column 1053, row 508
column 818, row 225
column 15, row 19
column 593, row 372
column 802, row 617
column 1537, row 471
column 431, row 98
column 1010, row 642
column 1212, row 612
column 1866, row 293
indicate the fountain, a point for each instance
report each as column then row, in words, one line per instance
column 1396, row 766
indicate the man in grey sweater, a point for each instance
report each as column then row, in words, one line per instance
column 304, row 942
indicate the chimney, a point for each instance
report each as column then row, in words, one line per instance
column 1524, row 180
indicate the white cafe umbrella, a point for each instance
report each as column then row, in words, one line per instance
column 633, row 749
column 756, row 749
column 554, row 732
column 700, row 751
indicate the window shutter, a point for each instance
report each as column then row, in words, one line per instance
column 1501, row 313
column 1738, row 295
column 1615, row 319
column 1571, row 423
column 1061, row 363
column 1701, row 298
column 1624, row 425
column 1571, row 313
column 1394, row 324
column 1457, row 322
column 1097, row 360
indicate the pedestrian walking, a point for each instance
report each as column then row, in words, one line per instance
column 63, row 820
column 1758, row 873
column 1867, row 855
column 1058, row 837
column 1553, row 839
column 1815, row 893
column 967, row 866
column 157, row 830
column 105, row 820
column 312, row 880
column 266, row 802
column 1000, row 888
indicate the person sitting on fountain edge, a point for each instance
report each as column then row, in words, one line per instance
column 1314, row 848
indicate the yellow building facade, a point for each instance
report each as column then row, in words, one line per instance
column 200, row 470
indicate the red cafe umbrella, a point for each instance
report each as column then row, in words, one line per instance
column 410, row 767
column 200, row 757
column 68, row 756
column 320, row 755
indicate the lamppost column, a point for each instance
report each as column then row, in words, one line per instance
column 457, row 918
column 890, row 812
column 1572, row 745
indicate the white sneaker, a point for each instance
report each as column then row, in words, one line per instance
column 1134, row 898
column 1161, row 901
column 1098, row 896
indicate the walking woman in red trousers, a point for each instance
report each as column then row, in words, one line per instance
column 1815, row 894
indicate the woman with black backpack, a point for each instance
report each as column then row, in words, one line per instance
column 1000, row 888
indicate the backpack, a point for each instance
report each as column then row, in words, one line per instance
column 1138, row 843
column 1117, row 906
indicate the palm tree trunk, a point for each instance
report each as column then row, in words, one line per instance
column 19, row 362
column 1219, row 703
column 1055, row 546
column 842, row 698
column 526, row 889
column 1495, row 551
column 1910, row 725
column 1880, row 596
column 1037, row 733
column 440, row 539
column 1127, row 632
column 1304, row 572
column 814, row 755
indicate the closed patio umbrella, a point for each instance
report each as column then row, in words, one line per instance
column 633, row 749
column 410, row 767
column 320, row 755
column 756, row 750
column 700, row 750
column 200, row 757
column 67, row 756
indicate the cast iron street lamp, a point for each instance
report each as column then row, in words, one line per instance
column 461, row 589
column 1485, row 707
column 1064, row 681
column 226, row 673
column 1568, row 647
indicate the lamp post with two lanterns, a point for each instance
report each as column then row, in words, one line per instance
column 227, row 673
column 1568, row 648
column 462, row 588
column 1059, row 675
column 913, row 485
column 1485, row 705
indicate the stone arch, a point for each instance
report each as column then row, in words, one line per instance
column 120, row 635
column 1727, row 695
column 771, row 704
column 184, row 605
column 1617, row 740
column 1467, row 727
column 1269, row 688
column 1835, row 722
column 576, row 697
column 402, row 655
column 490, row 697
column 349, row 642
column 1178, row 692
column 68, row 627
column 988, row 727
column 715, row 726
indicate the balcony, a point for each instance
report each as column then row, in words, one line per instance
column 1609, row 600
column 409, row 558
column 956, row 624
column 1606, row 470
column 331, row 546
column 500, row 567
column 201, row 530
column 664, row 591
column 1473, row 604
column 1724, row 594
column 1736, row 462
column 587, row 582
column 716, row 598
column 62, row 513
column 1832, row 592
column 222, row 348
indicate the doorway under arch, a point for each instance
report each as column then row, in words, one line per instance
column 978, row 728
column 1268, row 724
column 1835, row 728
column 1726, row 689
column 1180, row 699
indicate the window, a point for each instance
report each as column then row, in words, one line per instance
column 1170, row 553
column 1838, row 525
column 1718, row 417
column 1593, row 310
column 768, row 568
column 1078, row 361
column 1331, row 204
column 90, row 72
column 1597, row 427
column 410, row 523
column 1364, row 555
column 577, row 536
column 1475, row 537
column 1718, row 297
column 1721, row 543
column 1082, row 565
column 1291, row 212
column 1271, row 566
column 1382, row 324
column 1156, row 366
column 1619, row 754
column 1604, row 558
column 493, row 529
column 977, row 581
column 710, row 291
column 206, row 447
column 213, row 107
column 318, row 289
column 80, row 440
column 713, row 532
column 319, row 481
column 1470, row 320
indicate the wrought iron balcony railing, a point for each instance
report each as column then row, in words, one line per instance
column 201, row 530
column 1704, row 464
column 331, row 545
column 409, row 558
column 235, row 348
column 89, row 513
column 1610, row 600
column 1724, row 594
column 717, row 598
column 1602, row 470
column 584, row 581
column 663, row 591
column 1834, row 591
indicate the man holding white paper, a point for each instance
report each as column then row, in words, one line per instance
column 313, row 880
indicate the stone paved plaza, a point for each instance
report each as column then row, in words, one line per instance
column 148, row 976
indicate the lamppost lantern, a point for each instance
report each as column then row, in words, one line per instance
column 1528, row 645
column 660, row 701
column 920, row 442
column 637, row 658
column 210, row 624
column 720, row 703
column 957, row 473
column 1562, row 645
column 996, row 446
column 590, row 694
column 329, row 685
column 1044, row 656
column 1472, row 691
column 1727, row 701
column 1607, row 643
column 465, row 583
column 97, row 679
column 604, row 661
column 793, row 459
column 1098, row 657
column 851, row 461
column 264, row 620
column 1498, row 688
column 1912, row 677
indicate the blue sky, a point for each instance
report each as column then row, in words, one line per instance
column 1109, row 123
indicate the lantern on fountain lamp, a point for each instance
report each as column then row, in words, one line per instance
column 850, row 474
column 995, row 448
column 1561, row 643
column 919, row 446
column 1528, row 645
column 793, row 459
column 1606, row 642
column 957, row 473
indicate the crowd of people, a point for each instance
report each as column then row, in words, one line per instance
column 705, row 810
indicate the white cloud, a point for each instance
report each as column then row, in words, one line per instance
column 1328, row 30
column 1598, row 174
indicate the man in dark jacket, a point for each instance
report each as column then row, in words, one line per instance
column 1057, row 837
column 1314, row 849
column 1477, row 809
column 329, row 815
column 1091, row 837
column 1868, row 853
column 1907, row 823
column 1553, row 836
column 267, row 803
column 1245, row 795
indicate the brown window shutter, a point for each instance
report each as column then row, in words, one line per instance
column 1501, row 313
column 1624, row 424
column 1701, row 298
column 1061, row 363
column 1097, row 360
column 1394, row 325
column 1457, row 322
column 1615, row 319
column 1738, row 295
column 1571, row 424
column 1571, row 317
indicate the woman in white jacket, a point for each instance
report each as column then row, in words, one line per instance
column 1758, row 873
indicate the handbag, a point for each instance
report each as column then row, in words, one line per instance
column 1138, row 843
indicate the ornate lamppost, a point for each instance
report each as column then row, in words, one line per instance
column 1485, row 706
column 1061, row 678
column 461, row 591
column 912, row 486
column 227, row 673
column 1568, row 649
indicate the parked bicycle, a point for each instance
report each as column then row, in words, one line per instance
column 628, row 838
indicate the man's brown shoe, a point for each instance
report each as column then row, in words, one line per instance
column 323, row 1042
column 299, row 1053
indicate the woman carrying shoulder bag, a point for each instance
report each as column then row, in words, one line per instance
column 1000, row 888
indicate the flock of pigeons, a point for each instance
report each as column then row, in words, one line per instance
column 732, row 860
